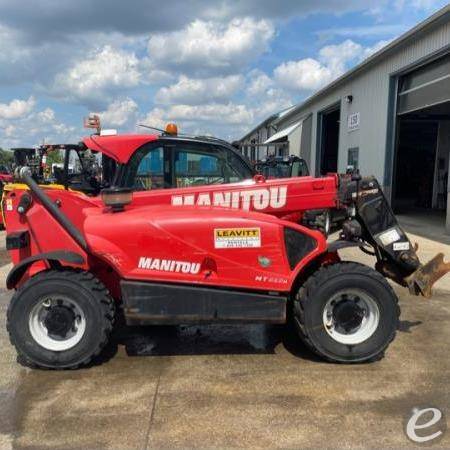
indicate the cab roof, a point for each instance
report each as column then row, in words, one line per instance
column 122, row 147
column 118, row 147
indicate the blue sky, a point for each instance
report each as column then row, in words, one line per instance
column 212, row 67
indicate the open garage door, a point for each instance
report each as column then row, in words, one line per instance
column 328, row 145
column 425, row 87
column 423, row 147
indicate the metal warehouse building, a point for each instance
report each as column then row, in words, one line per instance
column 389, row 116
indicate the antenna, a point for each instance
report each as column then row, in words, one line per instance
column 150, row 128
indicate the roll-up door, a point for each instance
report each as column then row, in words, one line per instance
column 424, row 87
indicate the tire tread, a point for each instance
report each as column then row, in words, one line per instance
column 87, row 280
column 305, row 295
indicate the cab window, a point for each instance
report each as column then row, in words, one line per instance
column 196, row 167
column 146, row 169
column 300, row 169
column 150, row 172
column 183, row 165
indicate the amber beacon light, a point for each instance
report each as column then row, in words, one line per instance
column 172, row 129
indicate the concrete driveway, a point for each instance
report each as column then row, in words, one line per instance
column 232, row 386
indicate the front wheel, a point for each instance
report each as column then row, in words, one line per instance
column 60, row 319
column 346, row 312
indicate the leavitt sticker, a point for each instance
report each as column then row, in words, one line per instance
column 237, row 237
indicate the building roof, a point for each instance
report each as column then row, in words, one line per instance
column 267, row 120
column 284, row 132
column 425, row 26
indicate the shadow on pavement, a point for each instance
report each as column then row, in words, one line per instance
column 165, row 340
column 405, row 325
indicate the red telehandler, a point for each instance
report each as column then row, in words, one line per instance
column 186, row 233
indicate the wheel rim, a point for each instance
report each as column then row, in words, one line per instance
column 57, row 323
column 351, row 316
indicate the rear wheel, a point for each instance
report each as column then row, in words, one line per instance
column 60, row 319
column 347, row 312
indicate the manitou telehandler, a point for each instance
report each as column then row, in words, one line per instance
column 188, row 234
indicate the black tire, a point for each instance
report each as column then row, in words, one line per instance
column 312, row 298
column 80, row 288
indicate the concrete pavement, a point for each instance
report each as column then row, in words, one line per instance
column 232, row 386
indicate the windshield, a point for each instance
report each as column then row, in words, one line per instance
column 285, row 169
column 183, row 164
column 281, row 170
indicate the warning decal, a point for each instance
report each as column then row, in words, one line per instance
column 237, row 237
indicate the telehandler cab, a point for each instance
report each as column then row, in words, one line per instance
column 187, row 234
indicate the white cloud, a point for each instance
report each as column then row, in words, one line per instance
column 119, row 113
column 14, row 57
column 56, row 20
column 259, row 83
column 194, row 64
column 311, row 74
column 336, row 57
column 274, row 101
column 263, row 96
column 47, row 115
column 9, row 130
column 227, row 119
column 303, row 75
column 210, row 47
column 157, row 117
column 151, row 74
column 213, row 113
column 93, row 79
column 21, row 125
column 194, row 91
column 16, row 108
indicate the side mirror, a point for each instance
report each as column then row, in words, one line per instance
column 117, row 197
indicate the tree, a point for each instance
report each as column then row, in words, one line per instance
column 54, row 157
column 6, row 157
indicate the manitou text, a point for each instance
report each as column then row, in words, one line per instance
column 274, row 197
column 168, row 265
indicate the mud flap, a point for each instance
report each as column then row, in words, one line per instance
column 422, row 280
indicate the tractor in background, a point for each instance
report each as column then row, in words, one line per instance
column 282, row 167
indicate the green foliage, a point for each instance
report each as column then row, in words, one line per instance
column 6, row 157
column 54, row 157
